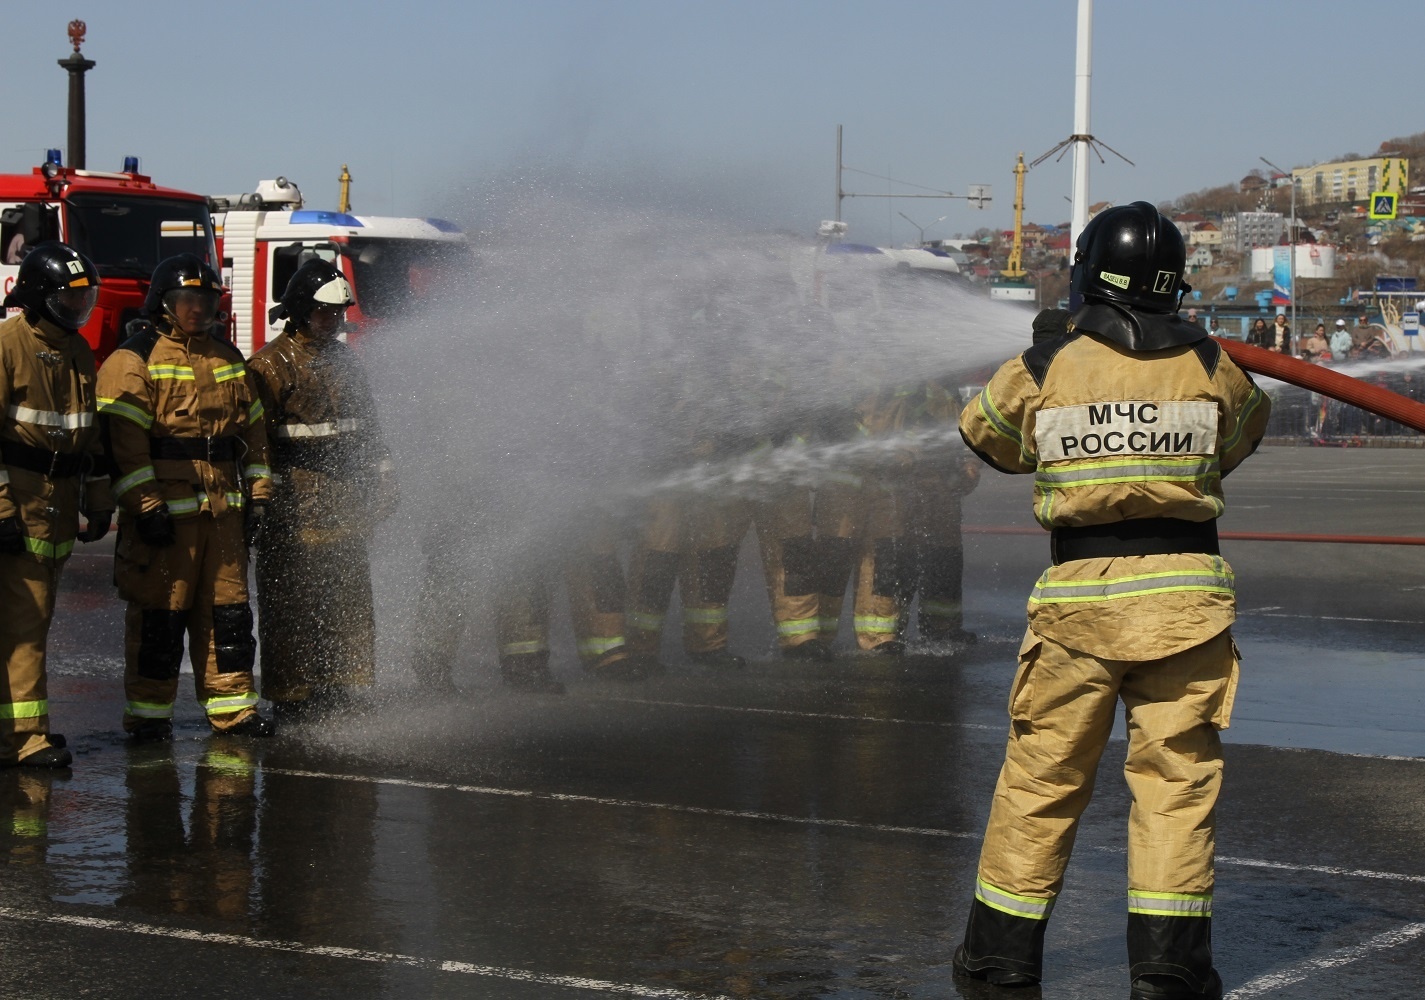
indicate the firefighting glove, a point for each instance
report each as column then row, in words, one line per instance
column 98, row 526
column 12, row 536
column 156, row 527
column 252, row 523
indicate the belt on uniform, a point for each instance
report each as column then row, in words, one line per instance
column 41, row 460
column 1145, row 536
column 195, row 449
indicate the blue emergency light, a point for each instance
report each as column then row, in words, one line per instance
column 52, row 156
column 131, row 164
column 310, row 217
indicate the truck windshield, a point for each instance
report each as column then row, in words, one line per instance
column 126, row 236
column 391, row 275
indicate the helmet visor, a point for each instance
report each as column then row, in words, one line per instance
column 72, row 307
column 194, row 308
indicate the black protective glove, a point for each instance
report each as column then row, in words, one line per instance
column 12, row 535
column 156, row 527
column 98, row 526
column 252, row 522
column 1051, row 323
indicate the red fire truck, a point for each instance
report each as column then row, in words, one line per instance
column 121, row 221
column 265, row 235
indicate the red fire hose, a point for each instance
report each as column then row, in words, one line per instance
column 1377, row 400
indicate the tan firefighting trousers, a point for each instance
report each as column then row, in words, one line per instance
column 315, row 619
column 27, row 591
column 1061, row 711
column 592, row 575
column 785, row 536
column 690, row 541
column 872, row 517
column 198, row 587
column 594, row 579
column 933, row 515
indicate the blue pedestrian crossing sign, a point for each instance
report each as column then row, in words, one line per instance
column 1383, row 204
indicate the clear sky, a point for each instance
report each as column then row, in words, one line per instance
column 720, row 106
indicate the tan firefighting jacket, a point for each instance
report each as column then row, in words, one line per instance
column 332, row 469
column 47, row 406
column 198, row 391
column 1111, row 435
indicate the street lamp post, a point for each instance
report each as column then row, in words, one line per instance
column 919, row 228
column 1291, row 242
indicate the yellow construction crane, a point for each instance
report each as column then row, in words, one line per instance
column 345, row 181
column 1015, row 271
column 1013, row 284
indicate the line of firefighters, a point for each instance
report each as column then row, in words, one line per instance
column 891, row 523
column 208, row 457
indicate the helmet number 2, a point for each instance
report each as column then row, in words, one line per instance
column 1165, row 282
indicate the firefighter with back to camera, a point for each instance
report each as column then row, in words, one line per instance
column 332, row 484
column 1128, row 420
column 51, row 469
column 183, row 428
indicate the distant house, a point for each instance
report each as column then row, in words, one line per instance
column 1252, row 184
column 1058, row 241
column 1187, row 222
column 1205, row 235
column 1032, row 234
column 1200, row 257
column 1099, row 206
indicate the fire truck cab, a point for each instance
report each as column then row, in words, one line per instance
column 264, row 236
column 121, row 221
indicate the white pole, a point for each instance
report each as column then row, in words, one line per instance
column 1082, row 72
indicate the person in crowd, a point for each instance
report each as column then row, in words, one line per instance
column 1260, row 335
column 1340, row 342
column 1281, row 335
column 186, row 442
column 51, row 470
column 334, row 485
column 1316, row 347
column 1102, row 623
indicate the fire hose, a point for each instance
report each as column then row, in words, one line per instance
column 1316, row 378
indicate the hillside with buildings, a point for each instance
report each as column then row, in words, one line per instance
column 1241, row 234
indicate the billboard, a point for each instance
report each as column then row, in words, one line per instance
column 1281, row 276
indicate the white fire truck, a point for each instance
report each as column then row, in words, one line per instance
column 264, row 236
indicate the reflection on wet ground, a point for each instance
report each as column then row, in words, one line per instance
column 788, row 831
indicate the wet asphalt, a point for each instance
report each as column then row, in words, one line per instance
column 790, row 830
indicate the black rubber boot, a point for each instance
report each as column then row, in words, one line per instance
column 254, row 726
column 891, row 647
column 152, row 731
column 50, row 756
column 1001, row 949
column 814, row 649
column 1158, row 987
column 618, row 664
column 718, row 659
column 1170, row 958
column 529, row 672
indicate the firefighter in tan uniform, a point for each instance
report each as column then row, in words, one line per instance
column 333, row 484
column 939, row 482
column 862, row 524
column 49, row 450
column 183, row 426
column 1128, row 422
